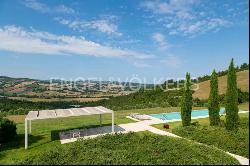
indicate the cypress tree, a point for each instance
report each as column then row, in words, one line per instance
column 213, row 102
column 187, row 102
column 232, row 117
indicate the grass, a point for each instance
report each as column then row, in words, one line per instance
column 242, row 81
column 132, row 148
column 236, row 142
column 45, row 132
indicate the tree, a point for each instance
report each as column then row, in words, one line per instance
column 187, row 102
column 244, row 66
column 213, row 101
column 232, row 117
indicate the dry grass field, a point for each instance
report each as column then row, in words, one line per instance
column 204, row 87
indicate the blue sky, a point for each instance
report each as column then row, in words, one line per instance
column 121, row 38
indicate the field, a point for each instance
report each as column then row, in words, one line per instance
column 39, row 90
column 234, row 142
column 204, row 87
column 82, row 99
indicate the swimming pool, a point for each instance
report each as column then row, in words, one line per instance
column 177, row 115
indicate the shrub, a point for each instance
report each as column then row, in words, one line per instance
column 243, row 96
column 7, row 130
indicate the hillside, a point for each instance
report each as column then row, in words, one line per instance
column 77, row 90
column 242, row 81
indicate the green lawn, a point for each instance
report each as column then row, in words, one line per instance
column 132, row 148
column 45, row 132
column 236, row 142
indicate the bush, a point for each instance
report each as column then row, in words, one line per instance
column 7, row 130
column 243, row 96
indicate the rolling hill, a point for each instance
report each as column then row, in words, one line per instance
column 204, row 87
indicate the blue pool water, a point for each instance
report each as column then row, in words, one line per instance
column 177, row 115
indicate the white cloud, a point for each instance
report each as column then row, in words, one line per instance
column 179, row 8
column 35, row 5
column 64, row 9
column 201, row 26
column 16, row 39
column 159, row 38
column 102, row 25
column 43, row 8
column 161, row 41
column 181, row 17
column 172, row 61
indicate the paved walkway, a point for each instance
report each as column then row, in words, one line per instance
column 145, row 126
column 242, row 160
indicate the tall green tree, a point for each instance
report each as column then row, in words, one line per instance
column 232, row 117
column 187, row 102
column 213, row 102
